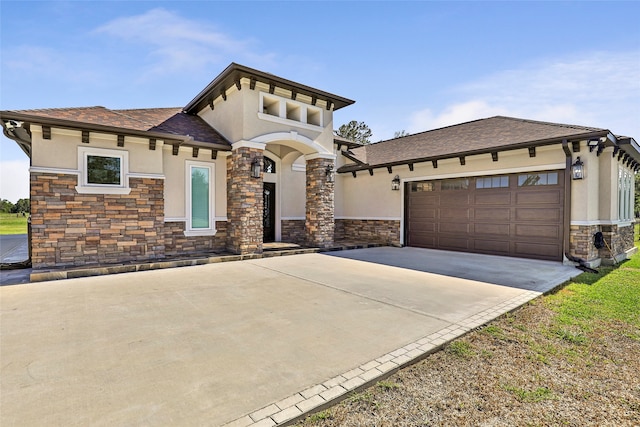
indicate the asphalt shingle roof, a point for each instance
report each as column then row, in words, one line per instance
column 494, row 133
column 164, row 120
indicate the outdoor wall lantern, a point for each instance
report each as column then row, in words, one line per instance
column 329, row 173
column 395, row 183
column 255, row 168
column 577, row 169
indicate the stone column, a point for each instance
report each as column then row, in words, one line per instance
column 244, row 202
column 319, row 222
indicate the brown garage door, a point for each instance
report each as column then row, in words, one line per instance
column 516, row 215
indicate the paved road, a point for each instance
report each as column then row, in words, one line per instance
column 256, row 341
column 13, row 248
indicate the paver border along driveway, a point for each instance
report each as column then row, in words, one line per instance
column 251, row 342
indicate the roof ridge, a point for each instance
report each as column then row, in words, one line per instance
column 120, row 113
column 65, row 108
column 564, row 125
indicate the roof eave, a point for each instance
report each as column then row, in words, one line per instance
column 70, row 124
column 235, row 72
column 511, row 147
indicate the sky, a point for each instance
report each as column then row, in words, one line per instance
column 409, row 66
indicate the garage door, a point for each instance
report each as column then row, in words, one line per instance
column 517, row 215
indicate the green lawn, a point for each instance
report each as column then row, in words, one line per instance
column 595, row 301
column 571, row 357
column 12, row 224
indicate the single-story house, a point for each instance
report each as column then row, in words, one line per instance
column 253, row 158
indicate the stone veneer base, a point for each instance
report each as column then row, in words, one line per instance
column 60, row 274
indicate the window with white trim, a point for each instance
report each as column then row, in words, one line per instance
column 103, row 171
column 200, row 197
column 625, row 194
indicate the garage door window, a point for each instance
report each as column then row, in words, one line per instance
column 548, row 178
column 455, row 184
column 421, row 186
column 492, row 182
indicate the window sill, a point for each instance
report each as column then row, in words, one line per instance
column 102, row 190
column 193, row 233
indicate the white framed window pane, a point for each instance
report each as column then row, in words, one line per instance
column 200, row 215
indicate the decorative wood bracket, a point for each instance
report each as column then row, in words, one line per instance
column 411, row 167
column 435, row 164
column 371, row 172
column 176, row 148
column 314, row 99
column 575, row 146
column 294, row 94
column 620, row 154
column 389, row 169
column 85, row 136
column 272, row 88
column 120, row 140
column 353, row 173
column 462, row 161
column 238, row 85
column 194, row 152
column 615, row 151
column 329, row 105
column 152, row 144
column 223, row 94
column 494, row 156
column 211, row 103
column 214, row 154
column 46, row 132
column 532, row 151
column 600, row 148
column 252, row 83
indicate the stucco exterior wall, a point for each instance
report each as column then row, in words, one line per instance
column 371, row 197
column 239, row 117
column 175, row 186
column 61, row 151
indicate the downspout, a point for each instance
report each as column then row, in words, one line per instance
column 566, row 242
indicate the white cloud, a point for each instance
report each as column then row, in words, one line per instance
column 177, row 43
column 597, row 89
column 14, row 180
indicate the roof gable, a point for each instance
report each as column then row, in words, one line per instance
column 232, row 75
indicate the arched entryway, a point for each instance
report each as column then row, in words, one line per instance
column 293, row 203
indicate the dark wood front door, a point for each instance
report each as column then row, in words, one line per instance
column 269, row 212
column 517, row 215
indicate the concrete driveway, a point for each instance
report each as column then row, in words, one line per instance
column 246, row 343
column 13, row 248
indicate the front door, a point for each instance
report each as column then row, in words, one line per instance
column 269, row 212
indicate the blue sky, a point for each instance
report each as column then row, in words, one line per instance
column 409, row 66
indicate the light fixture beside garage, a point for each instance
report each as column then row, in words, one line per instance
column 577, row 169
column 395, row 183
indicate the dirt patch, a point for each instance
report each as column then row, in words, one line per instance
column 523, row 369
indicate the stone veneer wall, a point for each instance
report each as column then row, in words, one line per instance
column 176, row 244
column 319, row 222
column 71, row 229
column 581, row 241
column 371, row 231
column 244, row 202
column 620, row 240
column 293, row 231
